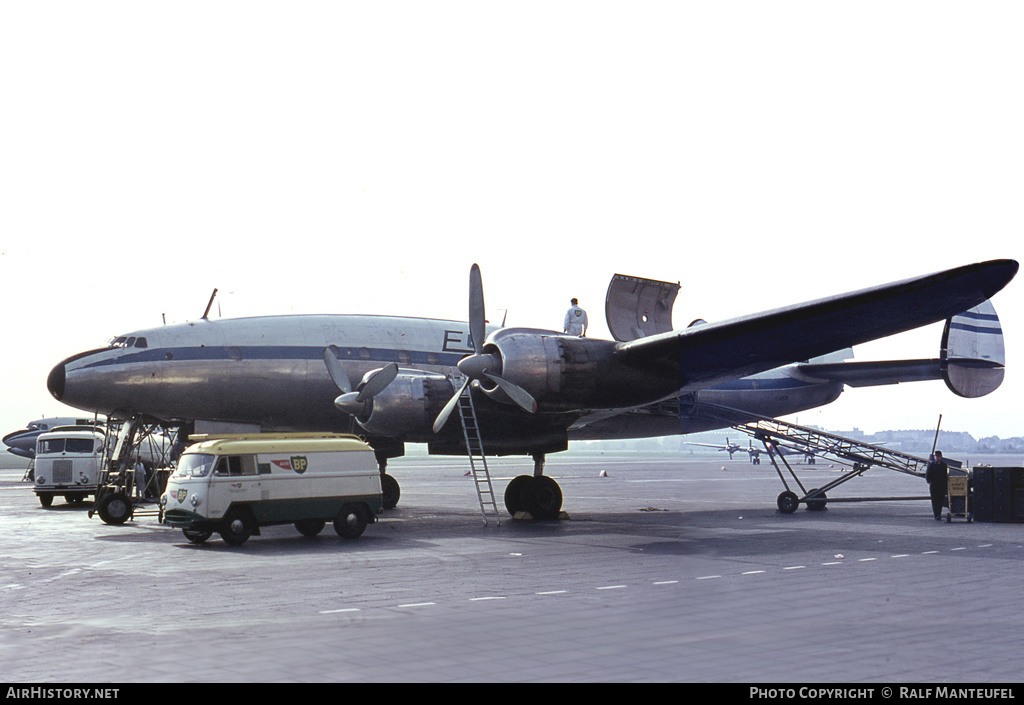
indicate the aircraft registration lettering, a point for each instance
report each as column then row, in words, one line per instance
column 453, row 342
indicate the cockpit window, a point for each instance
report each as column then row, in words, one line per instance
column 123, row 341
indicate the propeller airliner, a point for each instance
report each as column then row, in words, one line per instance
column 397, row 380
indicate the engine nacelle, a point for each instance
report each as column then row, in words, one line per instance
column 407, row 407
column 564, row 372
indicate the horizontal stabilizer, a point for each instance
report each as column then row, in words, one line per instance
column 972, row 359
column 869, row 374
column 973, row 353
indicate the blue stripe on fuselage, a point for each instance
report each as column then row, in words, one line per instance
column 276, row 352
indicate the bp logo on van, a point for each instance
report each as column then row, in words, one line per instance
column 299, row 463
column 182, row 494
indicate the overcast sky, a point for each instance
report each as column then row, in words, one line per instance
column 354, row 157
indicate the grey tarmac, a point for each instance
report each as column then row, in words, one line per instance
column 670, row 567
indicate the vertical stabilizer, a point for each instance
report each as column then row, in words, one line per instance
column 973, row 358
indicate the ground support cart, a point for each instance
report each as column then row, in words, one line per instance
column 958, row 497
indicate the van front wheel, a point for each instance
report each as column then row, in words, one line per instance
column 237, row 527
column 350, row 522
column 196, row 536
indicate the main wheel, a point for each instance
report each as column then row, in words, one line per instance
column 115, row 508
column 514, row 494
column 310, row 527
column 238, row 527
column 391, row 491
column 542, row 498
column 350, row 522
column 788, row 502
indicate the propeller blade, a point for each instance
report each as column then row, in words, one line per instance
column 376, row 382
column 442, row 418
column 335, row 369
column 519, row 395
column 477, row 314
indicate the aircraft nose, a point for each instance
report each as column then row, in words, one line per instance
column 55, row 381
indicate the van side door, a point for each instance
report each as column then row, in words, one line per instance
column 234, row 481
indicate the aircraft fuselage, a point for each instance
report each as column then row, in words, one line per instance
column 268, row 372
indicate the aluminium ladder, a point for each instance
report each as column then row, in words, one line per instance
column 477, row 459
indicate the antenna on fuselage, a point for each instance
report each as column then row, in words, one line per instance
column 206, row 313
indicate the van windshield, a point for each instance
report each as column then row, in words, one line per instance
column 195, row 465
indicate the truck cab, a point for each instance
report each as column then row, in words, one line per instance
column 67, row 463
column 233, row 485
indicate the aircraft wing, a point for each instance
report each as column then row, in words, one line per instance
column 715, row 352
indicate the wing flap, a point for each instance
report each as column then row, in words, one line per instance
column 717, row 352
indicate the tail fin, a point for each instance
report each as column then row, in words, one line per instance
column 973, row 358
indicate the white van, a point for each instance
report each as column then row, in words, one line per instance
column 67, row 463
column 235, row 484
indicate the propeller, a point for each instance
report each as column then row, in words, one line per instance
column 373, row 383
column 480, row 365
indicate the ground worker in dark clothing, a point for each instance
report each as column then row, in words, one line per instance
column 937, row 476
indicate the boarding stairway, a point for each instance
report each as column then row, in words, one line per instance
column 477, row 459
column 776, row 435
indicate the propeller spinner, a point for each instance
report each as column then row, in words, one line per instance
column 480, row 365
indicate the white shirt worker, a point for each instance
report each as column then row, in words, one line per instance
column 575, row 320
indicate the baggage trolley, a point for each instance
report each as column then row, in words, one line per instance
column 958, row 498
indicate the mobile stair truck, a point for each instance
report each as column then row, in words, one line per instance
column 235, row 484
column 67, row 463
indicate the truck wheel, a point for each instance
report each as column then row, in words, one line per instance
column 237, row 527
column 350, row 522
column 114, row 508
column 46, row 500
column 310, row 527
column 197, row 537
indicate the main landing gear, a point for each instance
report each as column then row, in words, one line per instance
column 389, row 486
column 537, row 495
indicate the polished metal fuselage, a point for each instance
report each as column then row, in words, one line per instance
column 268, row 372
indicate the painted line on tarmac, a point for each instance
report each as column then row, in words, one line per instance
column 623, row 586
